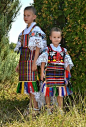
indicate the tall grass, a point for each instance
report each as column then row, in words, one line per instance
column 12, row 106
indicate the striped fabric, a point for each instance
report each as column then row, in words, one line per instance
column 55, row 75
column 25, row 65
column 26, row 54
column 25, row 71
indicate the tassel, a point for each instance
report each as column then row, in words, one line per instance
column 47, row 91
column 22, row 89
column 56, row 92
column 63, row 91
column 19, row 87
column 50, row 91
column 68, row 93
column 26, row 86
column 30, row 83
column 35, row 86
column 44, row 90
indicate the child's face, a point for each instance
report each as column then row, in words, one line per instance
column 29, row 17
column 55, row 38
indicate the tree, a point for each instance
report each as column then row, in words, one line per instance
column 8, row 11
column 75, row 34
column 49, row 14
column 70, row 16
column 12, row 46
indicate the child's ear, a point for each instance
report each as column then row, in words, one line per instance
column 50, row 37
column 34, row 17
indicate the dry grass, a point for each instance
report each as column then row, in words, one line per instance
column 12, row 106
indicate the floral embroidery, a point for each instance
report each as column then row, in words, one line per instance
column 37, row 34
column 32, row 34
column 46, row 57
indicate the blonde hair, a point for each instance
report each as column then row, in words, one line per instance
column 55, row 29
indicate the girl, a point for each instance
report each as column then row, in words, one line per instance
column 57, row 72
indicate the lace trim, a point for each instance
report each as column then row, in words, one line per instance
column 36, row 42
column 42, row 58
column 68, row 61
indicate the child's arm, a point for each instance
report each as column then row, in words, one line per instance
column 42, row 70
column 17, row 68
column 68, row 68
column 34, row 66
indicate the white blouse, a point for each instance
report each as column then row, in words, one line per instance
column 44, row 57
column 37, row 38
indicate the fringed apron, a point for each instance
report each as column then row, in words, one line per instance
column 56, row 75
column 28, row 80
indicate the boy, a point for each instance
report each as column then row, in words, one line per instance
column 31, row 41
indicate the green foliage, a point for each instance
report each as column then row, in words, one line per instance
column 70, row 16
column 8, row 11
column 8, row 62
column 75, row 34
column 49, row 14
column 8, row 59
column 12, row 46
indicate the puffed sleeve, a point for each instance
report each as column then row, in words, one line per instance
column 18, row 45
column 68, row 60
column 43, row 57
column 37, row 39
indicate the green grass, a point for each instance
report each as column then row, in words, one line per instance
column 12, row 106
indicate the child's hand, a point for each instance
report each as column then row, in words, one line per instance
column 17, row 68
column 42, row 76
column 34, row 67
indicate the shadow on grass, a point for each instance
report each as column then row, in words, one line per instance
column 8, row 109
column 12, row 108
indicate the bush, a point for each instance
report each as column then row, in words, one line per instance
column 70, row 16
column 8, row 62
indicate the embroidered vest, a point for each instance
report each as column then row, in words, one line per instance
column 55, row 56
column 54, row 74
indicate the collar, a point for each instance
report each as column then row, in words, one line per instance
column 58, row 48
column 27, row 30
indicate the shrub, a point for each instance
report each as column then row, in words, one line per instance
column 70, row 16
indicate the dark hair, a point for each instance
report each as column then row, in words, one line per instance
column 55, row 29
column 31, row 8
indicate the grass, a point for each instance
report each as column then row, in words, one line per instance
column 12, row 106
